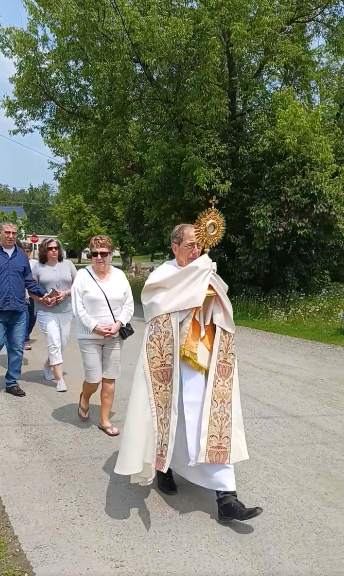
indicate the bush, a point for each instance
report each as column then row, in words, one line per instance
column 137, row 284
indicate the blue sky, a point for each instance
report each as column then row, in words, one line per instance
column 19, row 167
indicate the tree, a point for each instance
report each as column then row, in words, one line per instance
column 38, row 203
column 20, row 222
column 293, row 200
column 11, row 196
column 157, row 106
column 79, row 223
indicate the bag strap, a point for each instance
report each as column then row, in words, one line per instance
column 106, row 298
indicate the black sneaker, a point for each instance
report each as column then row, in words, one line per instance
column 230, row 508
column 166, row 483
column 16, row 391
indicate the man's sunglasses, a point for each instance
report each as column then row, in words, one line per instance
column 51, row 248
column 101, row 254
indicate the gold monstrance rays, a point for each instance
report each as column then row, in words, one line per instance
column 210, row 227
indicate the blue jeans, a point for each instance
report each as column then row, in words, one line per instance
column 30, row 319
column 27, row 320
column 12, row 332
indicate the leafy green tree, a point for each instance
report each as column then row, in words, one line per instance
column 79, row 223
column 20, row 222
column 38, row 203
column 11, row 196
column 293, row 202
column 157, row 106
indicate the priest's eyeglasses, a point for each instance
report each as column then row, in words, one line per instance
column 191, row 247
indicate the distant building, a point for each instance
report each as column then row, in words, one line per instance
column 9, row 209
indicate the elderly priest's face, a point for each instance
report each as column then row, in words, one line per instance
column 188, row 250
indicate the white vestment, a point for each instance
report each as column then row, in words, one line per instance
column 187, row 443
column 184, row 458
column 175, row 412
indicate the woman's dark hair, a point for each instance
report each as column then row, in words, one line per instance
column 43, row 250
column 19, row 244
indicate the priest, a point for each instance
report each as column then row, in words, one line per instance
column 184, row 412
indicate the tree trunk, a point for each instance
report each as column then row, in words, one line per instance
column 79, row 257
column 152, row 256
column 127, row 260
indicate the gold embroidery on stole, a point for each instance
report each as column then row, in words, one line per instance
column 160, row 357
column 219, row 436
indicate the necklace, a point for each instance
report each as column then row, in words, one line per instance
column 56, row 269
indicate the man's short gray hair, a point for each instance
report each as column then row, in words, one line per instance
column 177, row 235
column 2, row 224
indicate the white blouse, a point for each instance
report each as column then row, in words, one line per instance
column 89, row 304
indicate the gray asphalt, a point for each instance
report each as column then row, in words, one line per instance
column 74, row 516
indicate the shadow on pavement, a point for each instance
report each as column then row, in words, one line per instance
column 37, row 377
column 192, row 498
column 122, row 497
column 68, row 414
column 3, row 361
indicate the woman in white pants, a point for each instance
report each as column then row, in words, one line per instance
column 54, row 273
column 102, row 304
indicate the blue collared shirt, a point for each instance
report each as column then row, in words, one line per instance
column 15, row 277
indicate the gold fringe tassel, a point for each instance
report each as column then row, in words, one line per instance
column 191, row 359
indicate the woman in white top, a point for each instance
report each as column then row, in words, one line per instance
column 97, row 332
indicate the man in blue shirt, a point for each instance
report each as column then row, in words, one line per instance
column 15, row 277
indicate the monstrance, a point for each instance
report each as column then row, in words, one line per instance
column 210, row 227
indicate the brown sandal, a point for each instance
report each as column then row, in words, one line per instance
column 82, row 413
column 107, row 429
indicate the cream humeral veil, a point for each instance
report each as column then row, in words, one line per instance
column 169, row 294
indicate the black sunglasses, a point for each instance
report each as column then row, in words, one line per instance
column 101, row 254
column 51, row 248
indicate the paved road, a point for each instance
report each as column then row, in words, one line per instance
column 73, row 516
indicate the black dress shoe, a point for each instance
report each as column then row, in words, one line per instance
column 166, row 483
column 230, row 508
column 15, row 391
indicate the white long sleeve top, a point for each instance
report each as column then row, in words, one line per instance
column 89, row 304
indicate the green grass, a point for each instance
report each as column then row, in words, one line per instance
column 317, row 318
column 5, row 568
column 142, row 259
column 314, row 333
column 13, row 561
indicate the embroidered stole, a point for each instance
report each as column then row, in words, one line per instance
column 197, row 341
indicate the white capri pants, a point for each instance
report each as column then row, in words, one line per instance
column 101, row 358
column 56, row 328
